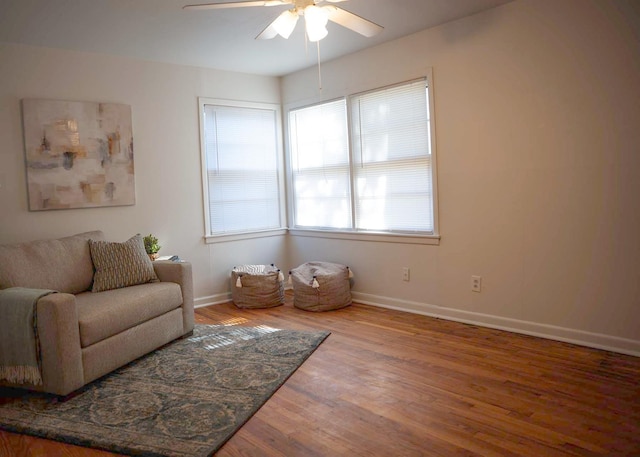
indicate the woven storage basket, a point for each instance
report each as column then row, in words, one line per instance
column 257, row 286
column 333, row 289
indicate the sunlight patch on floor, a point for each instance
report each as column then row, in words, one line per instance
column 234, row 335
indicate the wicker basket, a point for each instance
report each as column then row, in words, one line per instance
column 257, row 286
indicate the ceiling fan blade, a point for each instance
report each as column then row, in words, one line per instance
column 209, row 6
column 283, row 25
column 268, row 33
column 353, row 21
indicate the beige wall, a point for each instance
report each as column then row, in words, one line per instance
column 537, row 111
column 538, row 148
column 164, row 107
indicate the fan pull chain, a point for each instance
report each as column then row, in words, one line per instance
column 319, row 69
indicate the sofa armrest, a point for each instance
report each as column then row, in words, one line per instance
column 180, row 273
column 60, row 349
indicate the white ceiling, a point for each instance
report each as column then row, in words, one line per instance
column 160, row 30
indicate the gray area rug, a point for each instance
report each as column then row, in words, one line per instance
column 185, row 399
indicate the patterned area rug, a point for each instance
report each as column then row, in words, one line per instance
column 185, row 399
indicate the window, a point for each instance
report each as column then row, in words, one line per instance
column 365, row 164
column 320, row 166
column 241, row 151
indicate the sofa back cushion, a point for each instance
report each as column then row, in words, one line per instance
column 62, row 264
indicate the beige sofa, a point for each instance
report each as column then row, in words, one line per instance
column 85, row 335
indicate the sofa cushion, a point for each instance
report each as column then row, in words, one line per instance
column 62, row 264
column 120, row 264
column 104, row 314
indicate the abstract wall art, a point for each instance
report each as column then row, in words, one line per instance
column 78, row 154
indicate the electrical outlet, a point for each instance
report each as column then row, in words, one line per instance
column 405, row 274
column 476, row 283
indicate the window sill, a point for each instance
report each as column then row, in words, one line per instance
column 433, row 240
column 372, row 237
column 212, row 239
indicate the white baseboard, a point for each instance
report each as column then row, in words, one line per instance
column 218, row 299
column 552, row 332
column 211, row 300
column 568, row 335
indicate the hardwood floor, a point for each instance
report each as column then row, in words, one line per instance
column 387, row 383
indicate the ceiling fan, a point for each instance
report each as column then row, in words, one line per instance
column 315, row 17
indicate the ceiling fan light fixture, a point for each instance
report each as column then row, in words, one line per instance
column 316, row 19
column 285, row 23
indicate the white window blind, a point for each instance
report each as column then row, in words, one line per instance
column 242, row 181
column 319, row 148
column 372, row 174
column 392, row 159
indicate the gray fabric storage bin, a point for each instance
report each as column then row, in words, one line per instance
column 257, row 286
column 332, row 291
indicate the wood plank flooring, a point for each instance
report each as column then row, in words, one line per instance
column 387, row 383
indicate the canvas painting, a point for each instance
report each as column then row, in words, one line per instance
column 78, row 154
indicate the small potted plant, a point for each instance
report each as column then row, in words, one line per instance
column 151, row 246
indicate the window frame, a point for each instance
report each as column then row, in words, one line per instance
column 282, row 196
column 291, row 174
column 368, row 235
